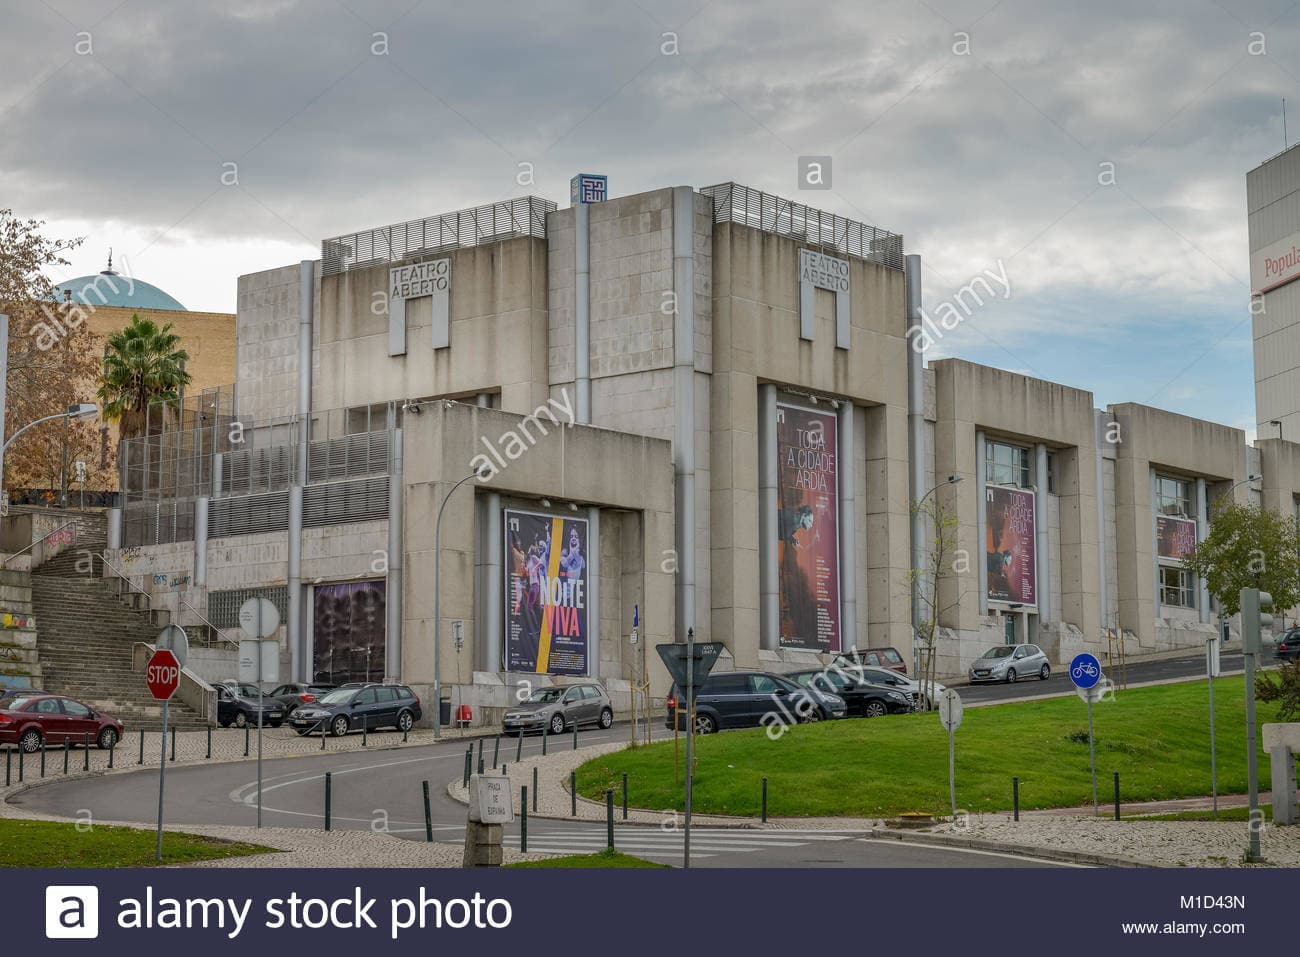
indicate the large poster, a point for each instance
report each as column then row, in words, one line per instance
column 348, row 632
column 1009, row 547
column 808, row 522
column 1175, row 537
column 546, row 593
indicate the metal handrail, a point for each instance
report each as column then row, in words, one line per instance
column 103, row 557
column 5, row 563
column 204, row 618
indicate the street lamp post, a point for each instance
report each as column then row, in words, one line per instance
column 916, row 583
column 437, row 601
column 79, row 410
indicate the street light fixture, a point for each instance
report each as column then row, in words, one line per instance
column 482, row 475
column 916, row 582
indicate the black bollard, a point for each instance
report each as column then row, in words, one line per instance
column 66, row 748
column 86, row 764
column 9, row 755
column 523, row 818
column 1117, row 795
column 428, row 815
column 173, row 757
column 141, row 761
column 42, row 759
column 1015, row 799
column 609, row 817
column 22, row 760
column 323, row 735
column 365, row 740
column 519, row 751
column 545, row 734
column 209, row 754
column 764, row 800
column 112, row 748
column 496, row 752
column 575, row 735
column 404, row 731
column 625, row 795
column 480, row 755
column 534, row 787
column 469, row 756
column 328, row 782
column 245, row 740
column 573, row 792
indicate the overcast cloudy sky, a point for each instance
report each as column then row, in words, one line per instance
column 980, row 130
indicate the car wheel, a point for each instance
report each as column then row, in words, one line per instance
column 404, row 721
column 704, row 724
column 241, row 720
column 875, row 709
column 557, row 723
column 107, row 738
column 606, row 718
column 1011, row 675
column 339, row 726
column 814, row 715
column 31, row 741
column 1044, row 673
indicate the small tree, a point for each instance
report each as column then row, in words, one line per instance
column 144, row 363
column 1285, row 690
column 927, row 584
column 1249, row 547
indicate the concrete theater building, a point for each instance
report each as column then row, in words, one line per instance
column 477, row 448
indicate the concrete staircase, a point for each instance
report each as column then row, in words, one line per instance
column 86, row 631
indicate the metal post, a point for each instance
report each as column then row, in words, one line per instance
column 545, row 728
column 208, row 754
column 329, row 781
column 523, row 818
column 575, row 736
column 609, row 818
column 22, row 761
column 1015, row 799
column 1117, row 795
column 1214, row 768
column 519, row 751
column 573, row 793
column 246, row 740
column 480, row 764
column 1252, row 768
column 534, row 787
column 469, row 757
column 85, row 766
column 690, row 741
column 428, row 815
column 66, row 749
column 1092, row 755
column 323, row 735
column 42, row 759
column 162, row 776
column 764, row 800
column 9, row 756
column 404, row 730
column 173, row 755
column 496, row 752
column 112, row 748
column 952, row 769
column 365, row 740
column 625, row 795
column 141, row 761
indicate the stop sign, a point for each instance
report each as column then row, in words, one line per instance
column 162, row 674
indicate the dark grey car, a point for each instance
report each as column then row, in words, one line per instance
column 557, row 709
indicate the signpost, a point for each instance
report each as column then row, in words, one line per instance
column 689, row 665
column 950, row 709
column 162, row 675
column 1085, row 672
column 1212, row 671
column 258, row 617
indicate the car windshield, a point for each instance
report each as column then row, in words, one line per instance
column 340, row 696
column 1002, row 651
column 546, row 694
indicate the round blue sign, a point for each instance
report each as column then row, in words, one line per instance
column 1085, row 670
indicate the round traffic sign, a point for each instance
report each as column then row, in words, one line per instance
column 950, row 708
column 174, row 639
column 258, row 617
column 1085, row 670
column 163, row 674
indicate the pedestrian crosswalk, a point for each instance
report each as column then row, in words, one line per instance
column 658, row 843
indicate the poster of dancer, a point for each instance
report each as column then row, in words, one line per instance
column 808, row 523
column 545, row 593
column 1009, row 546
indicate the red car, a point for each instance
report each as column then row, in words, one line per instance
column 32, row 720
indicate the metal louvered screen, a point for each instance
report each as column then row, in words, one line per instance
column 363, row 454
column 422, row 237
column 223, row 606
column 338, row 503
column 248, row 514
column 157, row 523
column 733, row 203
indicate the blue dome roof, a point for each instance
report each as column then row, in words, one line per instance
column 113, row 289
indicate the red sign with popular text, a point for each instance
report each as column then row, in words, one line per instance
column 162, row 674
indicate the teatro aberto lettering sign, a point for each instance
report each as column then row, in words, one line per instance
column 430, row 280
column 1275, row 265
column 820, row 271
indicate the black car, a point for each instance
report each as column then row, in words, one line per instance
column 748, row 699
column 351, row 709
column 237, row 704
column 295, row 694
column 862, row 696
column 1288, row 646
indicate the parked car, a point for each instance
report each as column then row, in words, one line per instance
column 741, row 699
column 35, row 719
column 1288, row 645
column 556, row 709
column 862, row 698
column 352, row 709
column 909, row 686
column 875, row 658
column 295, row 694
column 237, row 704
column 7, row 693
column 1010, row 663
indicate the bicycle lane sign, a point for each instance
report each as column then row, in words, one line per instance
column 1085, row 671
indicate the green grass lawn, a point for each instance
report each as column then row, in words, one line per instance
column 599, row 859
column 56, row 844
column 1157, row 738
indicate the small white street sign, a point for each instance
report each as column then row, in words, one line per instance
column 490, row 800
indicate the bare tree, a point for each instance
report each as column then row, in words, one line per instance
column 928, row 586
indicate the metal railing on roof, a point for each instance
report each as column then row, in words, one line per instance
column 507, row 219
column 733, row 203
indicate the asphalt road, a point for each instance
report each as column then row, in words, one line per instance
column 382, row 789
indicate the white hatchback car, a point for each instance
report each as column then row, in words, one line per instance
column 1010, row 663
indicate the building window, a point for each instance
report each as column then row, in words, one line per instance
column 1176, row 587
column 1051, row 472
column 1006, row 465
column 1174, row 497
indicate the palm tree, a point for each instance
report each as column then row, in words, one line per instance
column 142, row 364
